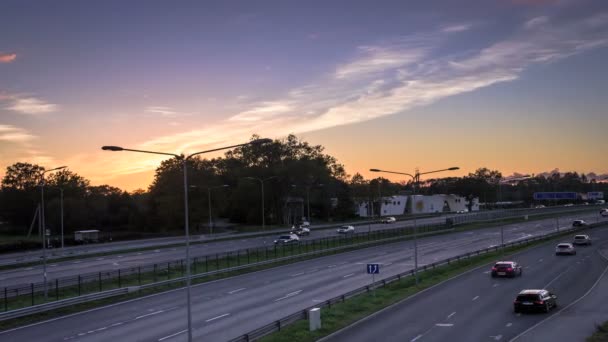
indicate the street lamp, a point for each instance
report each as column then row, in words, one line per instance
column 415, row 180
column 184, row 159
column 209, row 200
column 308, row 199
column 42, row 225
column 262, row 180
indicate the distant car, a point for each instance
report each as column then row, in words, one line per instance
column 579, row 223
column 565, row 248
column 582, row 240
column 304, row 224
column 506, row 269
column 346, row 229
column 528, row 300
column 540, row 206
column 604, row 212
column 463, row 211
column 389, row 219
column 301, row 231
column 568, row 205
column 287, row 239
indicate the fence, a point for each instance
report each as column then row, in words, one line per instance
column 303, row 314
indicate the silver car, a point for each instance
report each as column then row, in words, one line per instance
column 346, row 230
column 582, row 240
column 565, row 248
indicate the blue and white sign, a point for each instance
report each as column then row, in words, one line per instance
column 595, row 195
column 539, row 196
column 373, row 268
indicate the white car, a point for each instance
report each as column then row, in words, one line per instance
column 346, row 230
column 582, row 240
column 389, row 219
column 565, row 248
column 463, row 211
column 287, row 239
column 604, row 212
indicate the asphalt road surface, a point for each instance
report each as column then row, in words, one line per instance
column 84, row 251
column 576, row 321
column 26, row 275
column 228, row 308
column 476, row 307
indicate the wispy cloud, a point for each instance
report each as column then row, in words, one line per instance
column 14, row 134
column 163, row 111
column 31, row 105
column 7, row 57
column 393, row 77
column 457, row 28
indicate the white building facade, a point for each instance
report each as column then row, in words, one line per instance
column 416, row 204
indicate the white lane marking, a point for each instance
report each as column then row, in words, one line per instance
column 297, row 274
column 476, row 297
column 452, row 314
column 497, row 337
column 415, row 338
column 558, row 276
column 76, row 262
column 237, row 290
column 509, row 324
column 486, row 272
column 116, row 324
column 444, row 325
column 218, row 317
column 288, row 295
column 120, row 256
column 53, row 265
column 172, row 335
column 540, row 260
column 138, row 253
column 150, row 314
column 330, row 266
column 28, row 269
column 388, row 264
column 495, row 285
column 101, row 329
column 348, row 275
column 567, row 306
column 156, row 251
column 99, row 259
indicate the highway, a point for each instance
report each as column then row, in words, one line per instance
column 161, row 243
column 576, row 321
column 227, row 308
column 55, row 270
column 476, row 307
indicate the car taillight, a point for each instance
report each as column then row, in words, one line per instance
column 539, row 302
column 493, row 268
column 515, row 302
column 510, row 269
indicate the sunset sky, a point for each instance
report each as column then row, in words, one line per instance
column 514, row 85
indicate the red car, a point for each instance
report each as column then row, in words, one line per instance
column 506, row 269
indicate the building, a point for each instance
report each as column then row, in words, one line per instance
column 416, row 204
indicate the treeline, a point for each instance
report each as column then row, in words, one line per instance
column 291, row 171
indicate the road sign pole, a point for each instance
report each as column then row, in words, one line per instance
column 373, row 283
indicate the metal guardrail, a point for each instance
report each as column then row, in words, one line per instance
column 62, row 303
column 303, row 314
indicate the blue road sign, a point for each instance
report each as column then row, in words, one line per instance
column 555, row 196
column 595, row 195
column 373, row 268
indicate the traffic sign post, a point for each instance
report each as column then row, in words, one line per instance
column 373, row 269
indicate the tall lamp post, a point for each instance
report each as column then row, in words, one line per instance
column 184, row 159
column 42, row 225
column 209, row 200
column 61, row 204
column 262, row 180
column 415, row 181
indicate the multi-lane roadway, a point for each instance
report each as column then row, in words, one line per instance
column 227, row 308
column 476, row 307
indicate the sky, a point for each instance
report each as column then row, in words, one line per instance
column 514, row 85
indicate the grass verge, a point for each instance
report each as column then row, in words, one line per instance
column 601, row 333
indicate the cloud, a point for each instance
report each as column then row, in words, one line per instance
column 536, row 22
column 7, row 57
column 457, row 28
column 163, row 111
column 393, row 77
column 31, row 105
column 14, row 134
